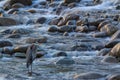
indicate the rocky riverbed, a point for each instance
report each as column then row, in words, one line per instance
column 77, row 39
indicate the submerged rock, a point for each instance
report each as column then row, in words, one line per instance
column 113, row 77
column 65, row 61
column 58, row 54
column 89, row 76
column 4, row 43
column 7, row 21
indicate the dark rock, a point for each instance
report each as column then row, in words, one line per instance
column 21, row 49
column 103, row 52
column 54, row 21
column 41, row 39
column 41, row 20
column 71, row 1
column 65, row 34
column 71, row 22
column 8, row 50
column 103, row 23
column 40, row 54
column 7, row 22
column 53, row 29
column 112, row 43
column 113, row 77
column 58, row 54
column 32, row 11
column 89, row 76
column 4, row 43
column 82, row 28
column 66, row 28
column 72, row 5
column 65, row 61
column 100, row 34
column 11, row 11
column 17, row 5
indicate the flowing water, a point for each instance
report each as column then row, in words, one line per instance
column 45, row 68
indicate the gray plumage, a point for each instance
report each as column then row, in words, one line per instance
column 30, row 56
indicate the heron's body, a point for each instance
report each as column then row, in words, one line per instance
column 30, row 56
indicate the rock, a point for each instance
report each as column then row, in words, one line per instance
column 100, row 34
column 52, row 29
column 31, row 11
column 65, row 61
column 13, row 36
column 41, row 39
column 89, row 76
column 20, row 55
column 71, row 22
column 7, row 21
column 40, row 54
column 6, row 31
column 5, row 43
column 21, row 31
column 109, row 29
column 65, row 34
column 72, row 5
column 92, row 28
column 66, row 18
column 112, row 43
column 82, row 28
column 103, row 23
column 71, row 1
column 66, row 28
column 41, row 20
column 11, row 11
column 115, row 51
column 109, row 59
column 55, row 21
column 9, row 3
column 118, row 7
column 103, row 52
column 17, row 5
column 116, row 35
column 8, row 50
column 58, row 54
column 21, row 49
column 113, row 77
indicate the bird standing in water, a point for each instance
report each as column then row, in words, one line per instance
column 30, row 56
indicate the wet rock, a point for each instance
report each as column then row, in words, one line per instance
column 7, row 21
column 52, row 29
column 118, row 7
column 31, row 11
column 116, row 35
column 17, row 5
column 92, row 28
column 9, row 3
column 71, row 1
column 66, row 28
column 40, row 54
column 41, row 20
column 13, row 36
column 100, row 34
column 6, row 31
column 109, row 59
column 72, row 5
column 8, row 50
column 21, row 49
column 41, row 39
column 58, row 54
column 103, row 52
column 112, row 43
column 103, row 23
column 68, row 17
column 109, row 29
column 54, row 21
column 113, row 77
column 20, row 55
column 21, row 31
column 82, row 28
column 4, row 43
column 65, row 34
column 89, row 75
column 115, row 51
column 11, row 11
column 71, row 22
column 65, row 61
